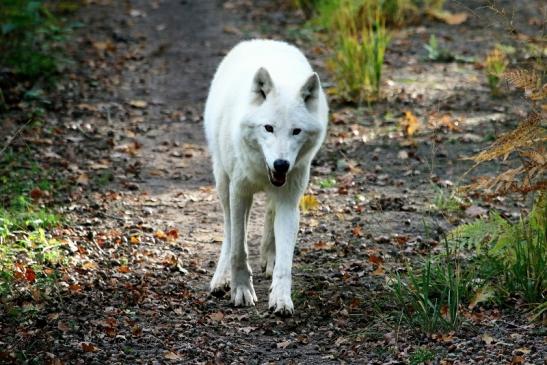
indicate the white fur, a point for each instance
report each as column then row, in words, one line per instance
column 243, row 150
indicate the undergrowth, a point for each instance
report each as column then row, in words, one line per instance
column 489, row 260
column 32, row 39
column 30, row 255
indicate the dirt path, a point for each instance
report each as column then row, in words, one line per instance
column 149, row 225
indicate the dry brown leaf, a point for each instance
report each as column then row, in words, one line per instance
column 450, row 18
column 89, row 265
column 283, row 344
column 159, row 234
column 170, row 355
column 483, row 294
column 135, row 240
column 88, row 347
column 379, row 271
column 410, row 124
column 124, row 269
column 63, row 326
column 217, row 316
column 322, row 245
column 83, row 179
column 376, row 260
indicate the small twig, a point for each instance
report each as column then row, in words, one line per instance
column 10, row 140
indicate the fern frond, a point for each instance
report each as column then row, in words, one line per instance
column 528, row 133
column 480, row 233
column 522, row 79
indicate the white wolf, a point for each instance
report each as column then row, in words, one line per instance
column 265, row 118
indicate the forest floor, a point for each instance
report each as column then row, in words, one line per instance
column 144, row 225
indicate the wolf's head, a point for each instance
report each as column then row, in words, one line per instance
column 283, row 124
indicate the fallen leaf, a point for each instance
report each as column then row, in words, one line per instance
column 140, row 104
column 88, row 347
column 75, row 288
column 231, row 30
column 376, row 260
column 123, row 269
column 171, row 356
column 322, row 245
column 308, row 202
column 63, row 326
column 217, row 316
column 30, row 275
column 159, row 234
column 283, row 345
column 36, row 193
column 487, row 339
column 410, row 124
column 450, row 18
column 379, row 271
column 483, row 294
column 247, row 330
column 89, row 265
column 172, row 234
column 82, row 179
column 475, row 211
column 357, row 231
column 135, row 240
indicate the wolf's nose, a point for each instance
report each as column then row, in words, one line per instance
column 281, row 166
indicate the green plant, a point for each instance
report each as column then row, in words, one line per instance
column 514, row 253
column 29, row 254
column 430, row 297
column 327, row 183
column 358, row 61
column 435, row 52
column 421, row 356
column 447, row 201
column 495, row 64
column 30, row 37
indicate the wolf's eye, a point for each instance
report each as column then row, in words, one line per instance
column 268, row 128
column 296, row 131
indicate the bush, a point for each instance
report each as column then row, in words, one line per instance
column 30, row 37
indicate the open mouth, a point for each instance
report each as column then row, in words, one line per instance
column 277, row 179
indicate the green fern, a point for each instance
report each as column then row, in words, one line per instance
column 481, row 232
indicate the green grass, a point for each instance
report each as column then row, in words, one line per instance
column 447, row 201
column 358, row 60
column 359, row 35
column 430, row 296
column 422, row 355
column 495, row 65
column 30, row 256
column 486, row 261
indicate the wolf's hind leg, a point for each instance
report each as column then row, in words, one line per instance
column 267, row 246
column 221, row 279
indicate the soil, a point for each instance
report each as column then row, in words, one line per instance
column 146, row 224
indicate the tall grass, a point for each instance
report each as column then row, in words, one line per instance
column 358, row 61
column 488, row 260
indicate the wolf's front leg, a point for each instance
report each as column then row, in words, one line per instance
column 242, row 291
column 285, row 228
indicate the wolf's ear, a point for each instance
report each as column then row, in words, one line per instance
column 262, row 84
column 310, row 91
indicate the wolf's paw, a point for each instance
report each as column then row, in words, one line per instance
column 281, row 303
column 244, row 295
column 268, row 265
column 220, row 288
column 220, row 284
